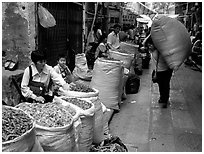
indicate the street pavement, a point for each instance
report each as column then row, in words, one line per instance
column 145, row 127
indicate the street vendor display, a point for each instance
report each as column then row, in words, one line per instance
column 171, row 39
column 54, row 125
column 86, row 109
column 18, row 131
column 80, row 90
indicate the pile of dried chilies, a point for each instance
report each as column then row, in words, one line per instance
column 14, row 123
column 80, row 103
column 49, row 114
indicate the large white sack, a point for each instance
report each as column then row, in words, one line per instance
column 172, row 40
column 107, row 78
column 124, row 57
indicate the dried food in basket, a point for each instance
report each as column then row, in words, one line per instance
column 14, row 123
column 81, row 88
column 49, row 114
column 78, row 102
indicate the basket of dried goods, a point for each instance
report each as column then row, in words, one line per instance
column 80, row 90
column 54, row 125
column 112, row 144
column 87, row 109
column 18, row 131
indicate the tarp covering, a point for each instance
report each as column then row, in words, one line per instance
column 140, row 9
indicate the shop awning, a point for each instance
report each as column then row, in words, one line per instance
column 141, row 9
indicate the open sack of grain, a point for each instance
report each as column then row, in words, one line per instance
column 54, row 125
column 86, row 109
column 18, row 131
column 80, row 90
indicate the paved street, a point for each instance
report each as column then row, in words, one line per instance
column 144, row 127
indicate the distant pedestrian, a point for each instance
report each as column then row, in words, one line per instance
column 164, row 73
column 95, row 34
column 113, row 39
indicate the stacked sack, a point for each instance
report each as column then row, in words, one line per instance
column 79, row 90
column 18, row 131
column 86, row 109
column 54, row 125
column 123, row 56
column 107, row 77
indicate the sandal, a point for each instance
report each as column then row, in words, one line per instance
column 11, row 64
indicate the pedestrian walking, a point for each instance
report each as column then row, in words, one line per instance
column 163, row 73
column 93, row 41
column 35, row 85
column 113, row 39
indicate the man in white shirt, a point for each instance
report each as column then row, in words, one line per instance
column 113, row 41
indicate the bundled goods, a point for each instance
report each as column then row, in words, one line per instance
column 172, row 40
column 81, row 69
column 107, row 77
column 86, row 109
column 112, row 144
column 133, row 84
column 18, row 131
column 124, row 57
column 54, row 125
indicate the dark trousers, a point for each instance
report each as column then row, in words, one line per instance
column 90, row 56
column 164, row 78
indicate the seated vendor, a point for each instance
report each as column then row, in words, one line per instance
column 35, row 85
column 62, row 69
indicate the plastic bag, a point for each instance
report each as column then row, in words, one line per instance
column 45, row 17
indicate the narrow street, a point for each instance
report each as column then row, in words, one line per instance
column 144, row 127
